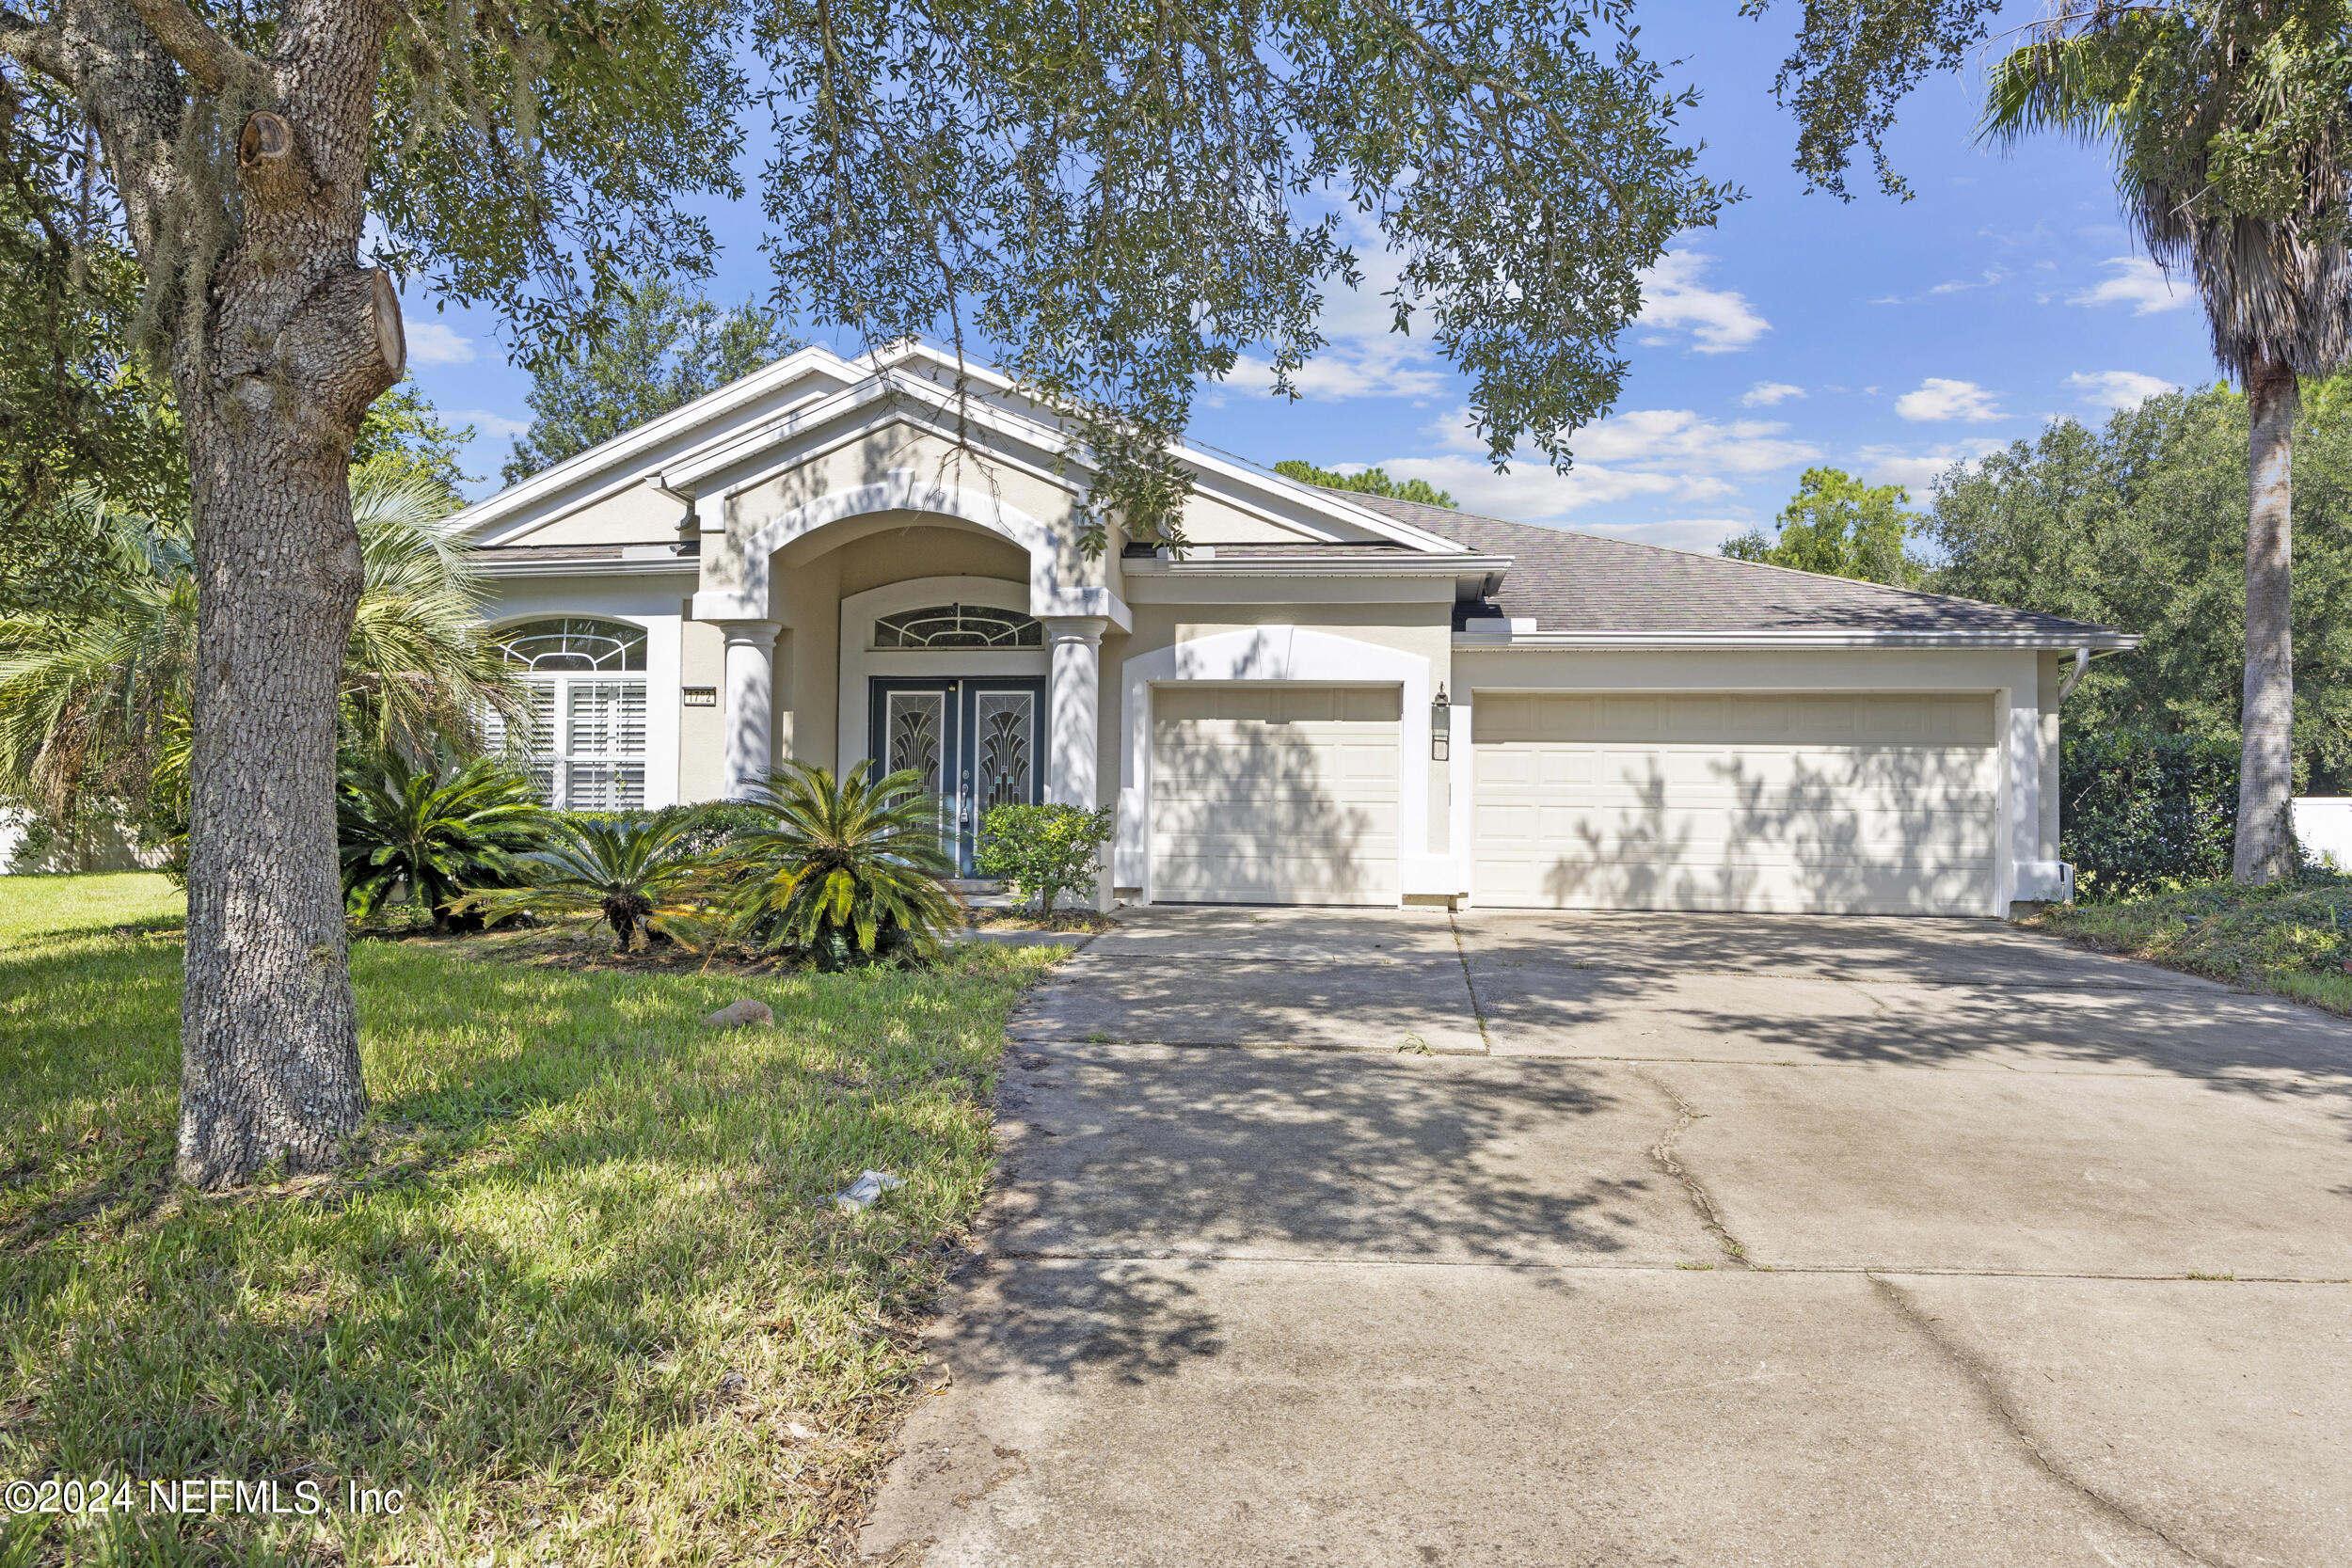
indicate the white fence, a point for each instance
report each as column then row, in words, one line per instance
column 2323, row 824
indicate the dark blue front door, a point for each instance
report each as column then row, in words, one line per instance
column 977, row 742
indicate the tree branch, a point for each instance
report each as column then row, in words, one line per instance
column 216, row 64
column 42, row 48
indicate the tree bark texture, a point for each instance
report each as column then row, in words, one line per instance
column 2265, row 787
column 243, row 180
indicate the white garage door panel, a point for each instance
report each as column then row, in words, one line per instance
column 1864, row 804
column 1273, row 795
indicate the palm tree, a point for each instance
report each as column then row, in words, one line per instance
column 2230, row 126
column 435, row 836
column 637, row 875
column 842, row 869
column 96, row 705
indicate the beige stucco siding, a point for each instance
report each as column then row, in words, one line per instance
column 640, row 515
column 908, row 546
column 702, row 731
column 809, row 606
column 872, row 457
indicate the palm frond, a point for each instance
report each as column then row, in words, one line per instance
column 842, row 868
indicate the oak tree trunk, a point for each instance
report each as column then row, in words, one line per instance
column 296, row 341
column 2266, row 834
column 269, row 1045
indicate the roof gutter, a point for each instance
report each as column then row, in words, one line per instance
column 1552, row 640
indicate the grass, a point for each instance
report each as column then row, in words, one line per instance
column 2291, row 937
column 578, row 1295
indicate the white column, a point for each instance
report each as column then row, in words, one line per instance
column 750, row 703
column 1075, row 700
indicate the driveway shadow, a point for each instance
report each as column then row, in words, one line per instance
column 1132, row 1151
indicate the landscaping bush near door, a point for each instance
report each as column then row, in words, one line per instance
column 2140, row 812
column 845, row 870
column 1044, row 853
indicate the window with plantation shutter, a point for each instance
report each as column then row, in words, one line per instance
column 586, row 746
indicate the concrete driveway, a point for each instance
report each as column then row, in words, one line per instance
column 1635, row 1238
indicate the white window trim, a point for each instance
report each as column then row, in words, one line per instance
column 661, row 675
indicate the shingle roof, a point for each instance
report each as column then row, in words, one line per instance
column 1572, row 582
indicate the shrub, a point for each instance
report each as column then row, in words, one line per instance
column 442, row 833
column 707, row 828
column 634, row 871
column 1043, row 853
column 2140, row 813
column 842, row 869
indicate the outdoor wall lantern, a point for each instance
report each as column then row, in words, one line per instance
column 1441, row 726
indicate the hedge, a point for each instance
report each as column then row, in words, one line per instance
column 2140, row 813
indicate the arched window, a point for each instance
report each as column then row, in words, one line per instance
column 959, row 626
column 574, row 642
column 586, row 744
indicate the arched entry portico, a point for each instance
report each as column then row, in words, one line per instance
column 1074, row 616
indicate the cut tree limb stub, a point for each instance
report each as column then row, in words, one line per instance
column 266, row 137
column 392, row 339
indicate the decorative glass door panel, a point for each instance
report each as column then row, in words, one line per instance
column 1003, row 746
column 977, row 742
column 915, row 734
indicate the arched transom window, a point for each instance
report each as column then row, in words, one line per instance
column 586, row 744
column 959, row 626
column 574, row 642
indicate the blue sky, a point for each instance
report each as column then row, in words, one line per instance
column 1890, row 339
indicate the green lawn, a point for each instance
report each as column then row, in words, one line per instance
column 2293, row 938
column 577, row 1296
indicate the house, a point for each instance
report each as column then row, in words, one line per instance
column 1325, row 698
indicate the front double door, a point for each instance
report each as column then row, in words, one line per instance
column 976, row 741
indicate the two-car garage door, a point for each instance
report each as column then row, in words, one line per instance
column 1866, row 803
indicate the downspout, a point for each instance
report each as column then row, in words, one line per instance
column 2075, row 677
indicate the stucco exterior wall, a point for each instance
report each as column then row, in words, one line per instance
column 702, row 731
column 808, row 471
column 640, row 515
column 2054, row 670
column 907, row 546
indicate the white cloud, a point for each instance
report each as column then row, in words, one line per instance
column 1388, row 366
column 1673, row 299
column 1918, row 472
column 1362, row 356
column 1984, row 280
column 1704, row 535
column 1764, row 394
column 431, row 344
column 1671, row 453
column 2118, row 388
column 2138, row 283
column 1941, row 398
column 498, row 427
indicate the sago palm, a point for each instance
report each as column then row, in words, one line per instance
column 438, row 832
column 841, row 868
column 636, row 875
column 2231, row 125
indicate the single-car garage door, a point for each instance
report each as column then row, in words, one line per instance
column 1878, row 803
column 1273, row 795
